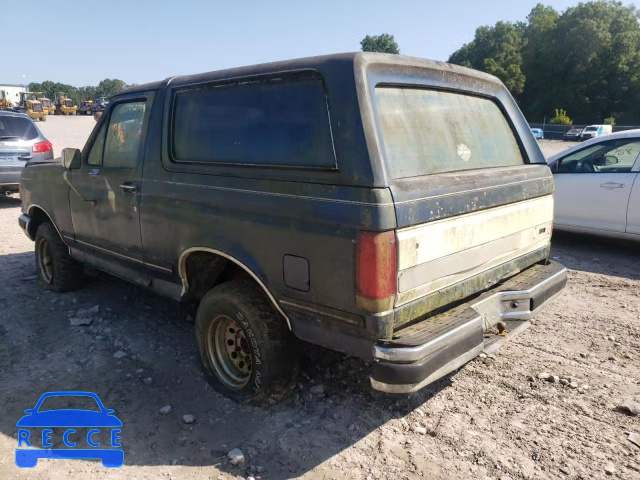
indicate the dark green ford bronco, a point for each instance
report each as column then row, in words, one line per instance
column 392, row 208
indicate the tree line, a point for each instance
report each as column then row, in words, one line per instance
column 583, row 63
column 106, row 88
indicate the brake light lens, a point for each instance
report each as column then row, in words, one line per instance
column 42, row 147
column 376, row 270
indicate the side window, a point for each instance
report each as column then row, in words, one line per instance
column 278, row 121
column 124, row 135
column 613, row 156
column 95, row 154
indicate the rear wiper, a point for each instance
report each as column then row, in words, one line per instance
column 7, row 137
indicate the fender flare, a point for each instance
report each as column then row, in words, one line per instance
column 182, row 272
column 30, row 212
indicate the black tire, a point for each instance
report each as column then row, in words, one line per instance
column 273, row 349
column 56, row 270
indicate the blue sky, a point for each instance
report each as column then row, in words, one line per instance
column 140, row 41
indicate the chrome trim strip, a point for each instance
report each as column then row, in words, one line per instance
column 185, row 284
column 91, row 245
column 272, row 194
column 126, row 257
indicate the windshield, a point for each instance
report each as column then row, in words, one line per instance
column 591, row 129
column 68, row 103
column 17, row 128
column 430, row 131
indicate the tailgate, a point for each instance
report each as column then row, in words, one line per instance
column 439, row 254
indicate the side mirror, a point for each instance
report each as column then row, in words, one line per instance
column 605, row 161
column 71, row 158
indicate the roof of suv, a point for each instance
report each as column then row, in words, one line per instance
column 12, row 113
column 321, row 62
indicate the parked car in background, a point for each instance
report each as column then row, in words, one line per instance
column 398, row 228
column 85, row 107
column 597, row 186
column 572, row 135
column 21, row 141
column 538, row 133
column 593, row 131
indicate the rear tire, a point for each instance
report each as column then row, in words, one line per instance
column 246, row 349
column 57, row 270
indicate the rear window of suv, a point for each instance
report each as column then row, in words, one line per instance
column 277, row 121
column 431, row 131
column 17, row 128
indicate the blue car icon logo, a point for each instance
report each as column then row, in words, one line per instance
column 69, row 419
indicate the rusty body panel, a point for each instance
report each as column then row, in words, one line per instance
column 255, row 215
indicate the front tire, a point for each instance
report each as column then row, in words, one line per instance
column 246, row 349
column 57, row 271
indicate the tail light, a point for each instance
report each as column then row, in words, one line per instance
column 376, row 270
column 42, row 147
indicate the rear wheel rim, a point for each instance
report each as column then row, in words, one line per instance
column 45, row 261
column 228, row 352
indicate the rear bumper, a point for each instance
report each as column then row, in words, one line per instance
column 10, row 178
column 429, row 350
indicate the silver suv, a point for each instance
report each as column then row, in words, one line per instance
column 21, row 141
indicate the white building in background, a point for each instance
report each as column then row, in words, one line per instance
column 13, row 91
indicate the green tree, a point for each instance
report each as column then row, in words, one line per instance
column 587, row 58
column 384, row 43
column 496, row 50
column 537, row 62
column 561, row 118
column 597, row 57
column 107, row 87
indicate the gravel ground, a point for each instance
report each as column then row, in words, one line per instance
column 551, row 147
column 66, row 131
column 494, row 418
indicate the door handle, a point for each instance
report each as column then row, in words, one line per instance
column 129, row 188
column 612, row 185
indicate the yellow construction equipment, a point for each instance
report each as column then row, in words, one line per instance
column 64, row 105
column 47, row 105
column 4, row 100
column 30, row 105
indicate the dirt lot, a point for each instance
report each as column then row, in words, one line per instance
column 494, row 418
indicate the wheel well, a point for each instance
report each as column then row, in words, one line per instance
column 38, row 217
column 202, row 268
column 205, row 270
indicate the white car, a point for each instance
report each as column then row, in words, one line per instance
column 598, row 186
